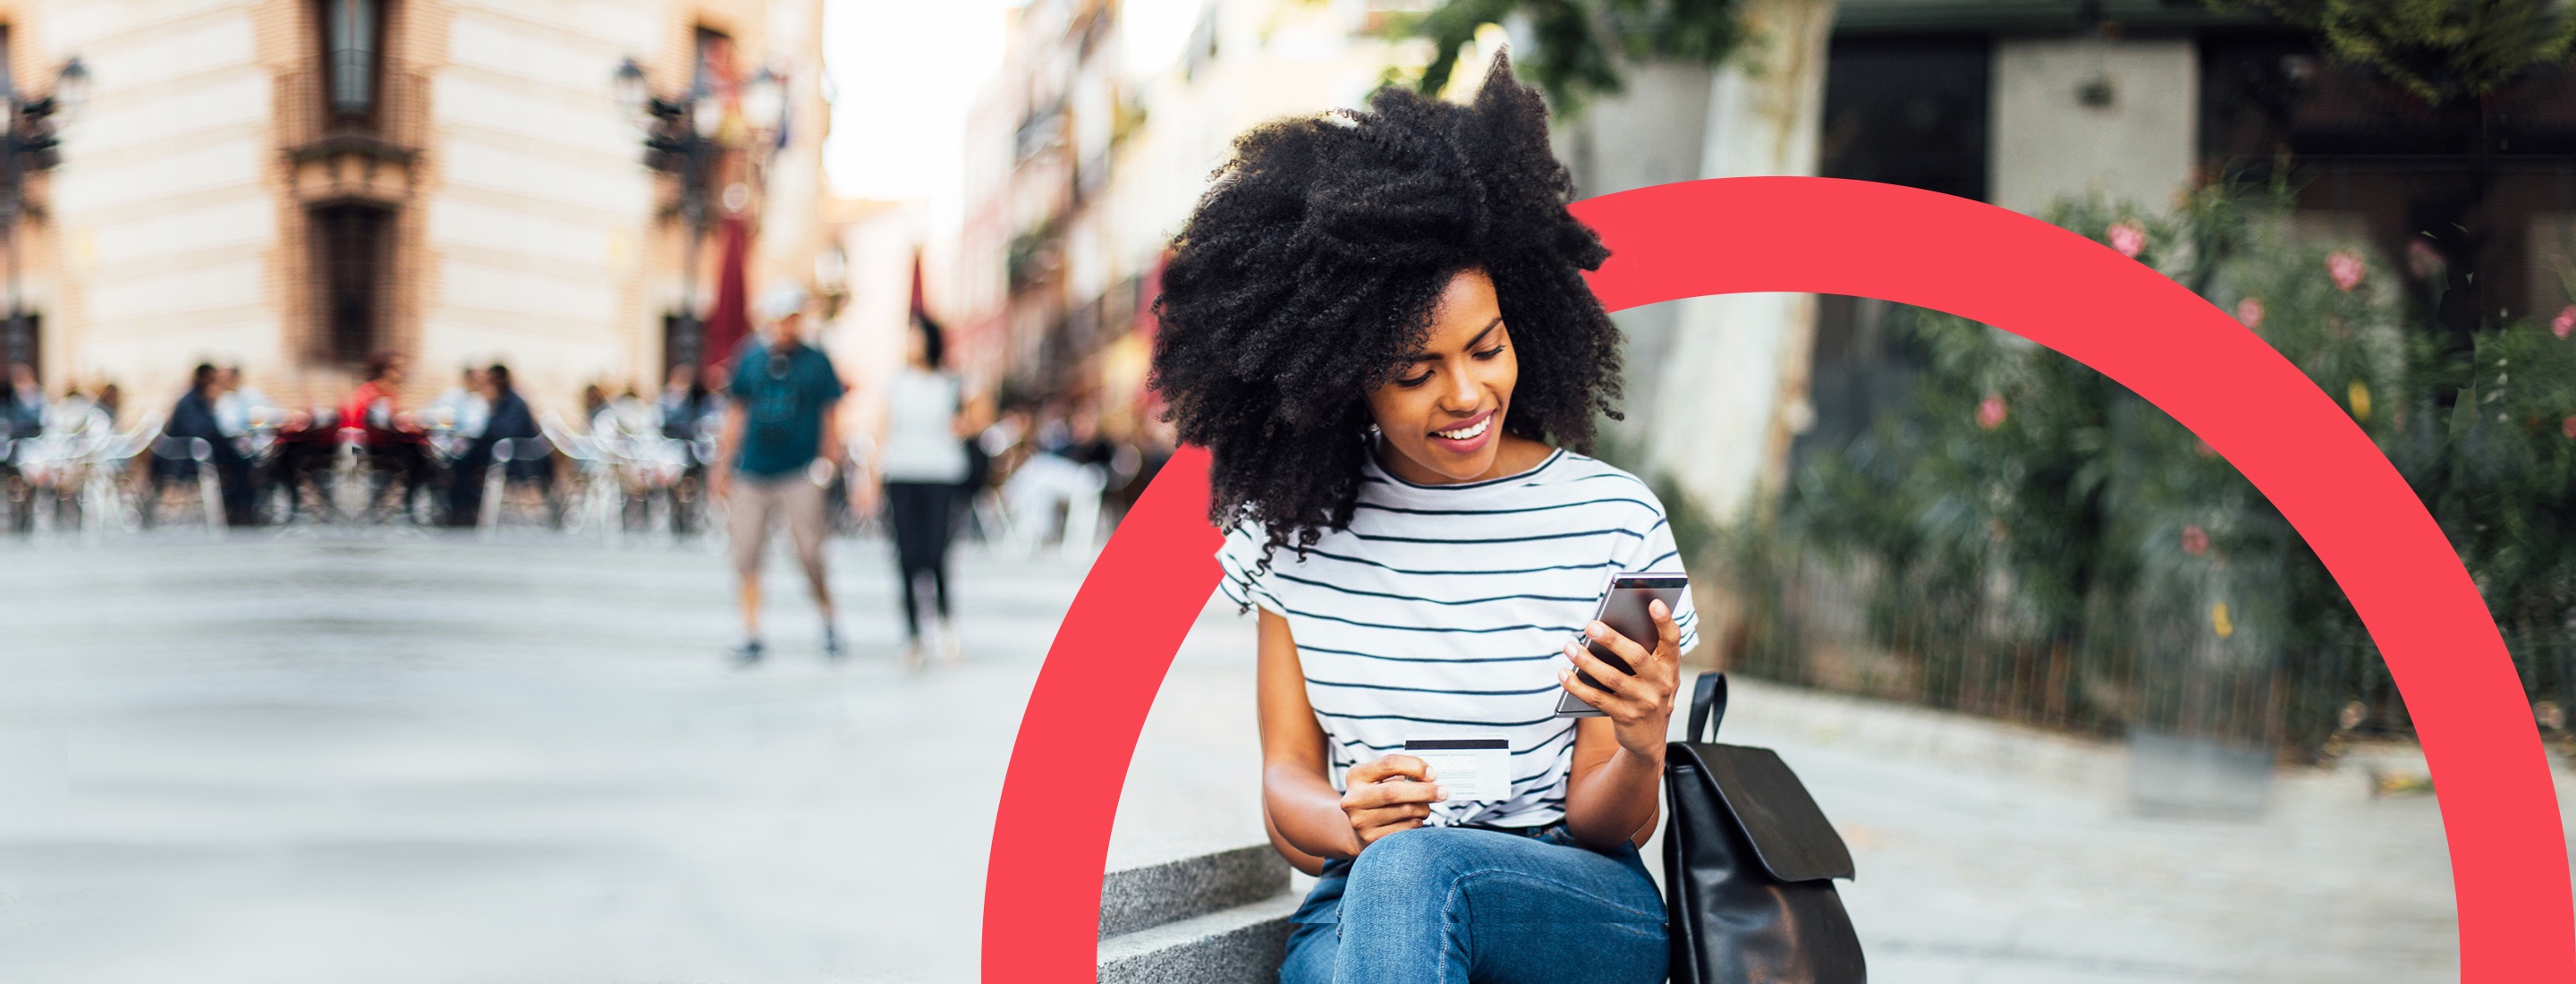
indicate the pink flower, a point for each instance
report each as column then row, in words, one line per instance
column 2128, row 237
column 2195, row 541
column 1990, row 412
column 2250, row 311
column 2568, row 427
column 2565, row 321
column 2423, row 260
column 2345, row 267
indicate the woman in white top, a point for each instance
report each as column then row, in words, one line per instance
column 1376, row 323
column 923, row 465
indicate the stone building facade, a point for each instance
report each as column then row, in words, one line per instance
column 291, row 185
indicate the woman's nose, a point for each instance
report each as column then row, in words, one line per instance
column 1463, row 392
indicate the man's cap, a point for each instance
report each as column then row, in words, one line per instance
column 781, row 300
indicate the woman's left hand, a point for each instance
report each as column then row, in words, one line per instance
column 1639, row 706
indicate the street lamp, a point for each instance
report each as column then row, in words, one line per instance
column 764, row 100
column 28, row 145
column 683, row 137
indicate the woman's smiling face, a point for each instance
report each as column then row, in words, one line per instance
column 1442, row 415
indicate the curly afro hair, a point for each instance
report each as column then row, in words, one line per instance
column 1309, row 273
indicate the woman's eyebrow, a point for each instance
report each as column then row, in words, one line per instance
column 1471, row 343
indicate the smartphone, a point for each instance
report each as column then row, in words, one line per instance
column 1623, row 609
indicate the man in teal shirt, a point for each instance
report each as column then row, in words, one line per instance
column 780, row 447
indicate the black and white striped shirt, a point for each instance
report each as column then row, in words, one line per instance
column 1443, row 612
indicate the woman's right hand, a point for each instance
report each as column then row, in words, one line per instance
column 1391, row 794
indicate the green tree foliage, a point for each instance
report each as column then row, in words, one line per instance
column 2030, row 538
column 2437, row 49
column 1577, row 45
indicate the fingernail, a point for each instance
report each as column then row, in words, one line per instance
column 1438, row 793
column 1596, row 630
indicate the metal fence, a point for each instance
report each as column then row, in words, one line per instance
column 2138, row 664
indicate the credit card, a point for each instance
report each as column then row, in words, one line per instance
column 1469, row 770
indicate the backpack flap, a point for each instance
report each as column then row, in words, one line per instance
column 1789, row 833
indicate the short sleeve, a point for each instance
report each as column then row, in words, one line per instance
column 1246, row 583
column 827, row 384
column 1655, row 551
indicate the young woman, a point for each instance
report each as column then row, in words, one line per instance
column 924, row 466
column 1376, row 323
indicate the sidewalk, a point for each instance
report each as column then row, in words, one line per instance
column 1987, row 854
column 429, row 761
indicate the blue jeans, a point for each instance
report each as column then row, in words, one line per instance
column 1456, row 905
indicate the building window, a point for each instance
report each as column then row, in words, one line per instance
column 350, row 246
column 1908, row 111
column 351, row 30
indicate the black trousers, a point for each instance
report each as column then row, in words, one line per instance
column 924, row 517
column 465, row 483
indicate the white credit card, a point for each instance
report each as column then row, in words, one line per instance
column 1469, row 770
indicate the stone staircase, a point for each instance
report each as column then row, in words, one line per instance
column 1218, row 918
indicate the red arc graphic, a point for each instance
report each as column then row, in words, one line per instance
column 2509, row 857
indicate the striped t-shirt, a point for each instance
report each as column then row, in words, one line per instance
column 1443, row 612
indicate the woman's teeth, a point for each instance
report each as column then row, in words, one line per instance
column 1467, row 433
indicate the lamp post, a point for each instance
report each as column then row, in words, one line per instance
column 28, row 145
column 683, row 137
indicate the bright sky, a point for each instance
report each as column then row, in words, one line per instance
column 907, row 73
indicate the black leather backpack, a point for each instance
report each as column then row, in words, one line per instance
column 1749, row 864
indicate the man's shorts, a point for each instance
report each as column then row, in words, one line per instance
column 758, row 498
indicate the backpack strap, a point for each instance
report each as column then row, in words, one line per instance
column 1708, row 707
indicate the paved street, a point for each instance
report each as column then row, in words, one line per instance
column 434, row 760
column 422, row 759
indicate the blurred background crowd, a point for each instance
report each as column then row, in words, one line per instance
column 451, row 262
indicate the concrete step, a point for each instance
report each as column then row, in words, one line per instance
column 1241, row 945
column 1217, row 918
column 1142, row 898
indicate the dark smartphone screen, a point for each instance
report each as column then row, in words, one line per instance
column 1624, row 611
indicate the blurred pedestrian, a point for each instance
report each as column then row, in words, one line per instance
column 685, row 405
column 1082, row 441
column 464, row 408
column 1065, row 478
column 194, row 417
column 780, row 444
column 23, row 414
column 376, row 404
column 684, row 413
column 240, row 408
column 509, row 419
column 924, row 466
column 391, row 436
